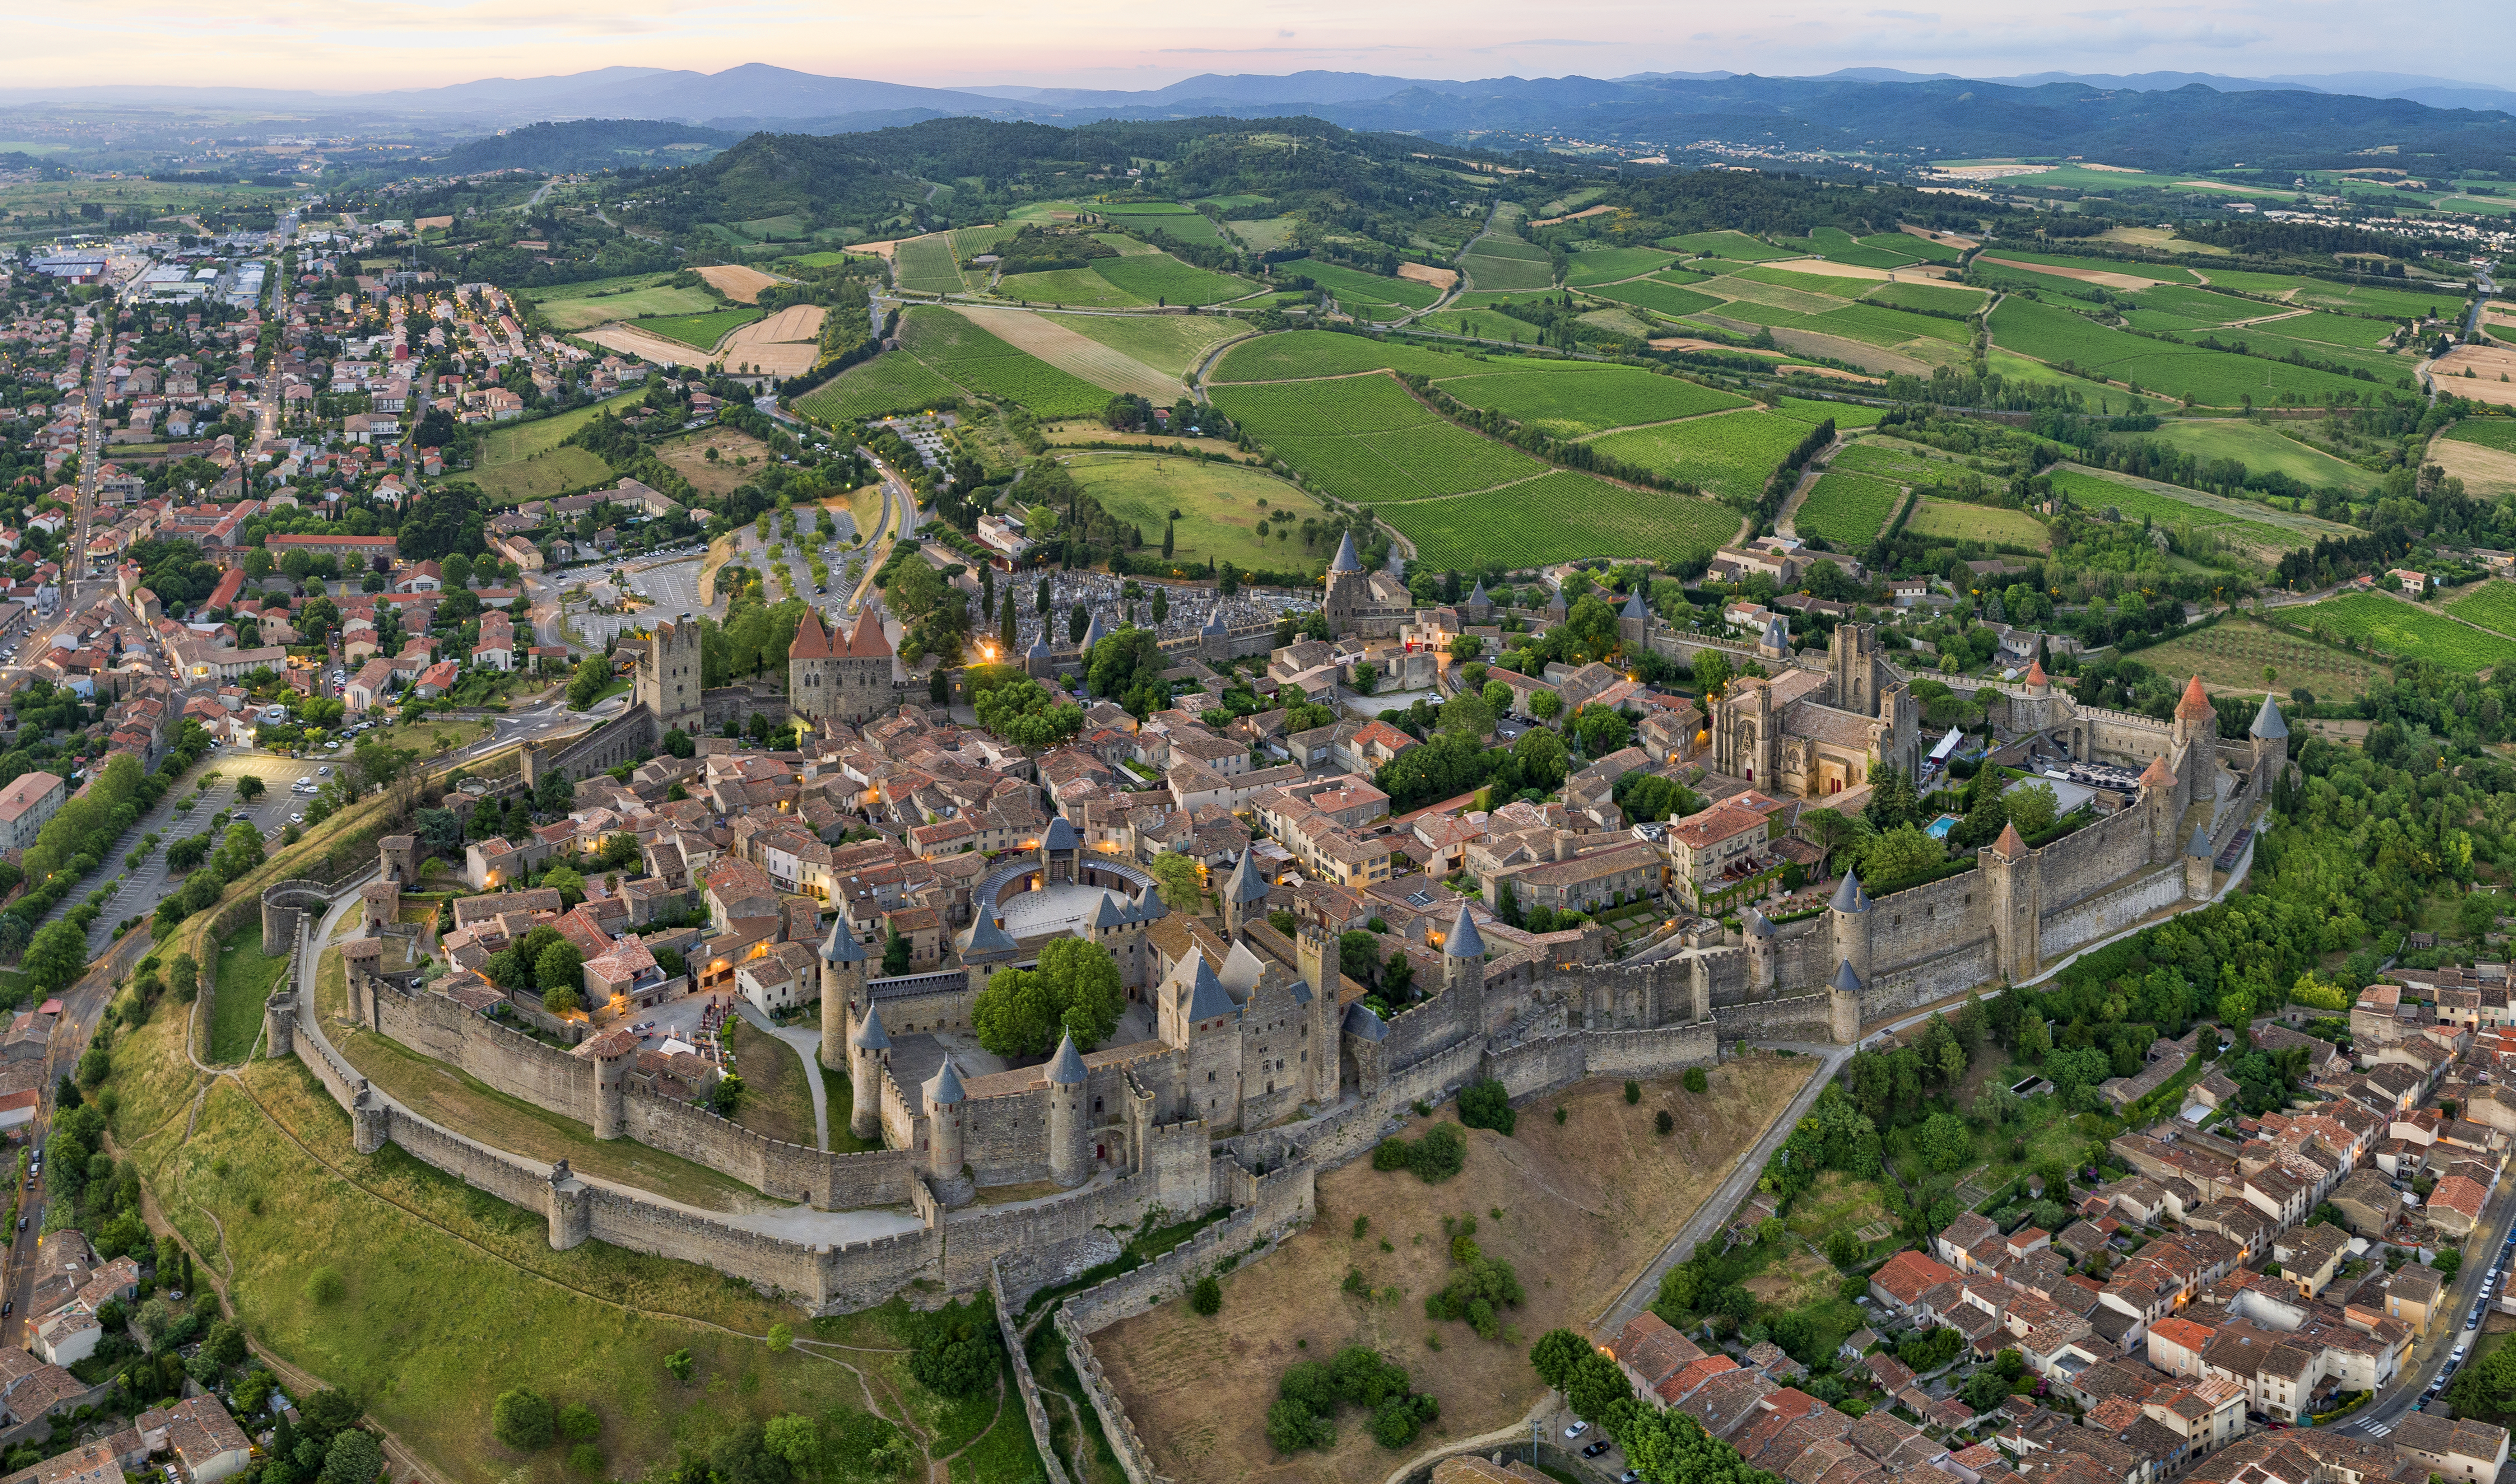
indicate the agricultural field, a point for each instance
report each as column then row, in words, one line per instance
column 1585, row 1206
column 1479, row 324
column 2093, row 491
column 526, row 459
column 1185, row 222
column 1847, row 415
column 1171, row 343
column 2480, row 452
column 1659, row 296
column 2212, row 378
column 700, row 332
column 1220, row 506
column 1956, row 521
column 1574, row 399
column 927, row 265
column 1081, row 287
column 1055, row 340
column 2491, row 604
column 2230, row 655
column 2488, row 432
column 1927, row 295
column 1497, row 262
column 1265, row 235
column 583, row 306
column 1735, row 245
column 1847, row 511
column 2411, row 631
column 1897, row 460
column 687, row 456
column 1561, row 517
column 1831, row 285
column 1161, row 278
column 1730, row 456
column 2155, row 272
column 1607, row 265
column 1365, row 296
column 969, row 356
column 1300, row 355
column 2329, row 329
column 1928, row 249
column 1878, row 325
column 2261, row 447
column 1368, row 439
column 892, row 382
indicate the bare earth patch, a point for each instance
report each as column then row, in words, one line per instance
column 2487, row 364
column 1835, row 372
column 1587, row 1205
column 2082, row 274
column 1592, row 210
column 1443, row 277
column 1080, row 355
column 1682, row 343
column 785, row 344
column 1868, row 357
column 740, row 284
column 647, row 346
column 882, row 250
column 2482, row 470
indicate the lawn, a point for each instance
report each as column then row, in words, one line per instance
column 1220, row 506
column 583, row 306
column 1583, row 1205
column 1730, row 456
column 246, row 975
column 1955, row 521
column 2416, row 632
column 1300, row 354
column 2263, row 449
column 1562, row 516
column 1574, row 399
column 892, row 382
column 700, row 332
column 2230, row 655
column 1355, row 289
column 1161, row 278
column 1848, row 511
column 777, row 1100
column 1171, row 343
column 1069, row 286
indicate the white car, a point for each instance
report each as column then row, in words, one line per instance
column 296, row 819
column 1576, row 1430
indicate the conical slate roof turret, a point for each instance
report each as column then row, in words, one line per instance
column 1634, row 606
column 987, row 935
column 1093, row 632
column 1463, row 941
column 1347, row 559
column 1849, row 898
column 1066, row 1068
column 1060, row 835
column 841, row 945
column 1778, row 635
column 1756, row 924
column 1844, row 978
column 1214, row 627
column 2199, row 847
column 1207, row 999
column 1247, row 883
column 1479, row 595
column 1039, row 647
column 870, row 1036
column 2268, row 722
column 946, row 1089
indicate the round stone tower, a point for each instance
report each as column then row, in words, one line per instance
column 867, row 1052
column 843, row 975
column 946, row 1105
column 1067, row 1164
column 611, row 1051
column 280, row 1024
column 1849, row 917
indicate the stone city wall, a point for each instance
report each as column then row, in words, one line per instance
column 2109, row 912
column 786, row 1170
column 616, row 741
column 1932, row 979
column 1135, row 1460
column 1025, row 1386
column 1802, row 1017
column 2088, row 860
column 510, row 1062
column 1924, row 921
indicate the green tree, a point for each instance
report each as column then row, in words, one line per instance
column 2033, row 807
column 1026, row 714
column 1207, row 1297
column 523, row 1419
column 1467, row 715
column 56, row 956
column 895, row 954
column 795, row 1440
column 1076, row 990
column 559, row 972
column 1181, row 887
column 355, row 1457
column 592, row 675
column 1945, row 1142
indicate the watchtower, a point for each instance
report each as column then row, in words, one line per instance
column 667, row 682
column 843, row 977
column 1067, row 1163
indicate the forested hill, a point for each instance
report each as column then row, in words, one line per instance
column 585, row 143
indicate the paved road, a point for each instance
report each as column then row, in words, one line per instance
column 672, row 586
column 2389, row 1407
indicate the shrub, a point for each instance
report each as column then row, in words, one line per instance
column 1559, row 1115
column 1633, row 1090
column 523, row 1419
column 1487, row 1105
column 681, row 1365
column 781, row 1336
column 578, row 1423
column 1695, row 1081
column 324, row 1287
column 1665, row 1122
column 1390, row 1154
column 587, row 1459
column 1440, row 1154
column 1206, row 1298
column 1843, row 1249
column 957, row 1348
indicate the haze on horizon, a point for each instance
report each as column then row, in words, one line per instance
column 390, row 43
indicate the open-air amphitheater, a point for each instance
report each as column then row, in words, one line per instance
column 1263, row 1069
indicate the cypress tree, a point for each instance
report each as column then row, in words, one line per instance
column 1009, row 631
column 1166, row 540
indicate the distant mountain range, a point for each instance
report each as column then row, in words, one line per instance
column 762, row 94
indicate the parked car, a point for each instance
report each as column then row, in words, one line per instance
column 1595, row 1449
column 1575, row 1430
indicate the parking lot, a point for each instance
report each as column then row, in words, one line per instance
column 673, row 585
column 141, row 890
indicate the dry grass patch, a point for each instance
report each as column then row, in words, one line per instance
column 1443, row 277
column 1587, row 1205
column 740, row 284
column 2492, row 379
column 687, row 456
column 655, row 347
column 1080, row 356
column 2482, row 470
column 2125, row 281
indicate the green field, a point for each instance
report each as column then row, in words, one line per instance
column 1574, row 399
column 1079, row 286
column 2212, row 378
column 2233, row 652
column 1560, row 517
column 1725, row 244
column 1730, row 456
column 2488, row 432
column 969, row 356
column 700, row 332
column 1359, row 293
column 1955, row 521
column 1746, row 290
column 526, row 459
column 2261, row 448
column 1265, row 235
column 2330, row 329
column 892, row 382
column 2492, row 605
column 926, row 266
column 1927, row 295
column 583, row 306
column 1847, row 511
column 1878, row 325
column 2156, row 273
column 819, row 260
column 1497, row 262
column 1482, row 324
column 1220, row 506
column 1367, row 439
column 1297, row 354
column 1607, row 265
column 1846, row 414
column 1911, row 246
column 2416, row 631
column 1161, row 278
column 1663, row 298
column 1895, row 460
column 1171, row 343
column 246, row 975
column 1826, row 285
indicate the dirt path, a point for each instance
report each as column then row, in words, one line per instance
column 940, row 1470
column 1662, row 422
